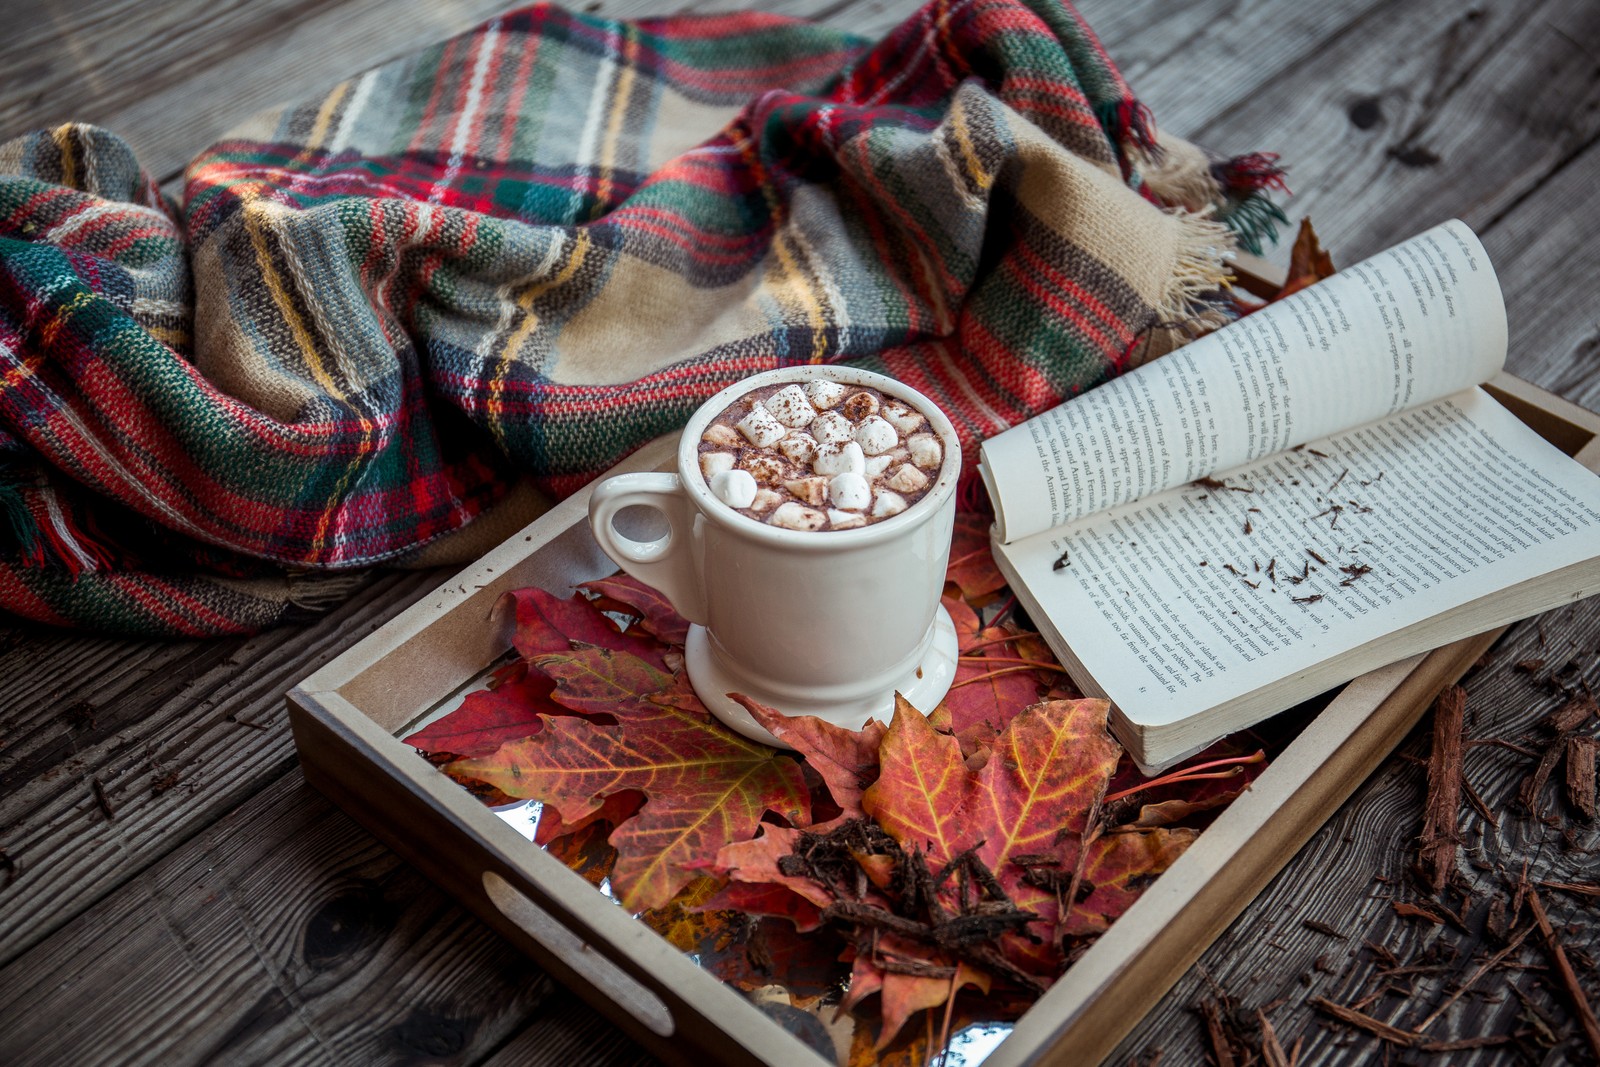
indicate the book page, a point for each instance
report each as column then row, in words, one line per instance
column 1412, row 324
column 1196, row 596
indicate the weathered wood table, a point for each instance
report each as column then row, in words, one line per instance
column 213, row 908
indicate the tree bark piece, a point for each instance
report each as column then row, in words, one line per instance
column 1437, row 856
column 1362, row 1021
column 1581, row 752
column 1271, row 1048
column 1221, row 1047
column 1569, row 978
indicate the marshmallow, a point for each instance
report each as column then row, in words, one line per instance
column 926, row 452
column 793, row 516
column 766, row 499
column 799, row 447
column 831, row 427
column 721, row 435
column 849, row 492
column 824, row 394
column 714, row 463
column 887, row 503
column 845, row 520
column 790, row 406
column 810, row 490
column 876, row 465
column 760, row 428
column 904, row 418
column 764, row 469
column 734, row 488
column 906, row 479
column 875, row 435
column 836, row 459
column 858, row 406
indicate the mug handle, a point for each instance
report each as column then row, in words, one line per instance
column 667, row 564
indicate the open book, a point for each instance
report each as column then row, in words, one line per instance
column 1308, row 494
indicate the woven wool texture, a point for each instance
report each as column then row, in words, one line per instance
column 518, row 255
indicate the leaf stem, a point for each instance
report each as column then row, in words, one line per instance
column 974, row 554
column 1000, row 640
column 1039, row 663
column 995, row 674
column 1187, row 774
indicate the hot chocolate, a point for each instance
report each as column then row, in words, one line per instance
column 819, row 455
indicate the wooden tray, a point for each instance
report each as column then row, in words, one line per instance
column 347, row 718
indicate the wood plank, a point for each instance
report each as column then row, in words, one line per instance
column 214, row 85
column 283, row 933
column 1553, row 235
column 1192, row 62
column 568, row 1032
column 169, row 744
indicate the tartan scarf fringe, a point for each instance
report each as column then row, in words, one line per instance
column 17, row 524
column 1253, row 219
column 1236, row 191
column 45, row 534
column 310, row 594
column 1244, row 183
column 1199, row 271
column 368, row 320
column 1131, row 127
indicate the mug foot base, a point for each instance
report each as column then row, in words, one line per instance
column 924, row 685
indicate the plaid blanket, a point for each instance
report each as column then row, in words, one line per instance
column 381, row 316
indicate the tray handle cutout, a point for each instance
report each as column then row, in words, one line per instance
column 622, row 988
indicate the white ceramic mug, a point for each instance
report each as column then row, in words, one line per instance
column 829, row 623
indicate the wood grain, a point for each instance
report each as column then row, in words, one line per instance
column 177, row 733
column 566, row 1032
column 1552, row 235
column 1194, row 64
column 282, row 933
column 236, row 917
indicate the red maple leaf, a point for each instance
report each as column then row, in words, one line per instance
column 985, row 696
column 1035, row 792
column 972, row 565
column 902, row 995
column 507, row 709
column 1118, row 869
column 993, row 680
column 627, row 595
column 705, row 785
column 924, row 793
column 548, row 623
column 755, row 898
column 752, row 866
column 1045, row 775
column 1309, row 263
column 596, row 680
column 846, row 760
column 769, row 951
column 613, row 811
